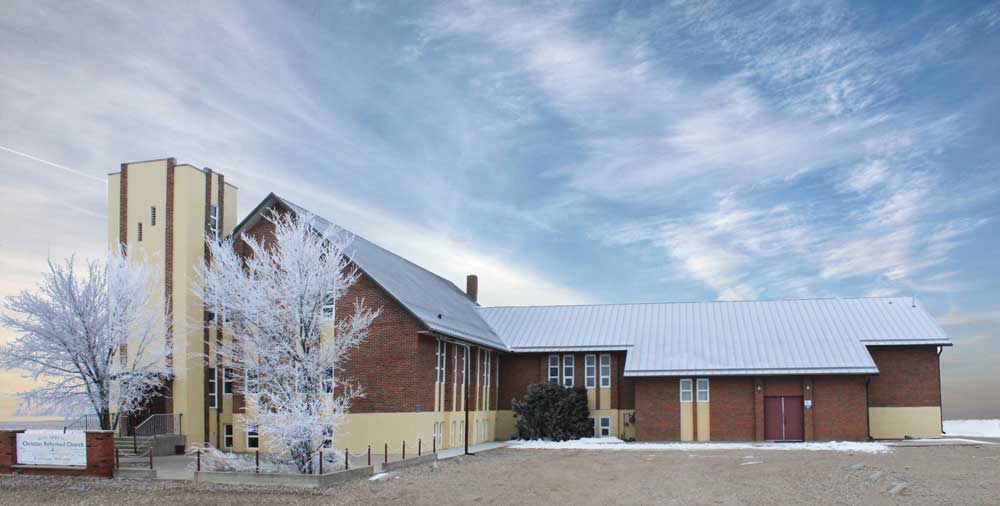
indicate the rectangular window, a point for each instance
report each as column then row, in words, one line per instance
column 227, row 381
column 253, row 438
column 590, row 371
column 213, row 221
column 605, row 370
column 329, row 306
column 569, row 365
column 251, row 384
column 152, row 216
column 138, row 235
column 554, row 369
column 702, row 389
column 328, row 381
column 441, row 368
column 227, row 439
column 213, row 394
column 605, row 426
column 328, row 437
column 686, row 390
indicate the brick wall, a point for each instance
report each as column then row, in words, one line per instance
column 908, row 376
column 100, row 456
column 731, row 405
column 657, row 409
column 839, row 408
column 516, row 373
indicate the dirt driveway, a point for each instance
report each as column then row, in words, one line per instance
column 932, row 476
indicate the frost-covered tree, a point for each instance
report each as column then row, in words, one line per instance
column 279, row 307
column 94, row 341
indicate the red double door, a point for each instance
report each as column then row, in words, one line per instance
column 783, row 419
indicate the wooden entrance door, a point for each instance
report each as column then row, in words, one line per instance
column 783, row 419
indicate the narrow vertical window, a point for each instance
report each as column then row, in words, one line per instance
column 605, row 370
column 327, row 437
column 213, row 221
column 213, row 395
column 253, row 437
column 329, row 306
column 328, row 381
column 590, row 371
column 569, row 366
column 251, row 385
column 152, row 216
column 554, row 369
column 227, row 381
column 227, row 439
column 686, row 390
column 138, row 232
column 605, row 426
column 702, row 389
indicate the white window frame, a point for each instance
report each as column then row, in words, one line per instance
column 590, row 371
column 605, row 374
column 440, row 364
column 569, row 370
column 213, row 388
column 227, row 436
column 603, row 428
column 554, row 379
column 248, row 381
column 687, row 387
column 329, row 306
column 213, row 221
column 227, row 381
column 699, row 383
column 254, row 434
column 327, row 381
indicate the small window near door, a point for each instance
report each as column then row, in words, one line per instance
column 227, row 439
column 253, row 437
column 686, row 390
column 605, row 426
column 703, row 390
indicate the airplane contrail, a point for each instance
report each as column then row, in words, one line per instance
column 53, row 164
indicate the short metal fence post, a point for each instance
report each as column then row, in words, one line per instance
column 321, row 462
column 118, row 458
column 434, row 444
column 199, row 459
column 404, row 449
column 386, row 456
column 347, row 459
column 369, row 455
column 418, row 447
column 257, row 461
column 135, row 442
column 150, row 457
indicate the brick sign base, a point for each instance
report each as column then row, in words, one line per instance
column 100, row 457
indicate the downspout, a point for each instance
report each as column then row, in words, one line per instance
column 868, row 409
column 940, row 395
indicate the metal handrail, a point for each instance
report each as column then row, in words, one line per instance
column 165, row 423
column 86, row 422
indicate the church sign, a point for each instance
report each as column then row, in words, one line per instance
column 52, row 448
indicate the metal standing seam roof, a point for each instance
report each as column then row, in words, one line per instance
column 437, row 302
column 811, row 336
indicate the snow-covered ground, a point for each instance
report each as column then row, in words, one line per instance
column 978, row 428
column 617, row 444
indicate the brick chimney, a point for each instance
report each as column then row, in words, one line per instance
column 472, row 287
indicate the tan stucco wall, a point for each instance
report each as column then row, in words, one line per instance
column 897, row 423
column 687, row 421
column 704, row 421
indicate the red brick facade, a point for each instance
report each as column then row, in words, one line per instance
column 731, row 408
column 100, row 457
column 908, row 376
column 840, row 411
column 657, row 409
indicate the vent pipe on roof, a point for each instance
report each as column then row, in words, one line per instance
column 472, row 287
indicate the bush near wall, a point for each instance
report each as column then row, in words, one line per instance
column 553, row 412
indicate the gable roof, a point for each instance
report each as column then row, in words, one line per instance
column 432, row 299
column 813, row 336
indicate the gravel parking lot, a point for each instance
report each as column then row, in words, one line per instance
column 939, row 475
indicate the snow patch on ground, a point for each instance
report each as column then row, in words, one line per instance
column 617, row 444
column 980, row 428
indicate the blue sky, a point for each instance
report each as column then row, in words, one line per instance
column 565, row 152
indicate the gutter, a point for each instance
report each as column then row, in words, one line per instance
column 868, row 409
